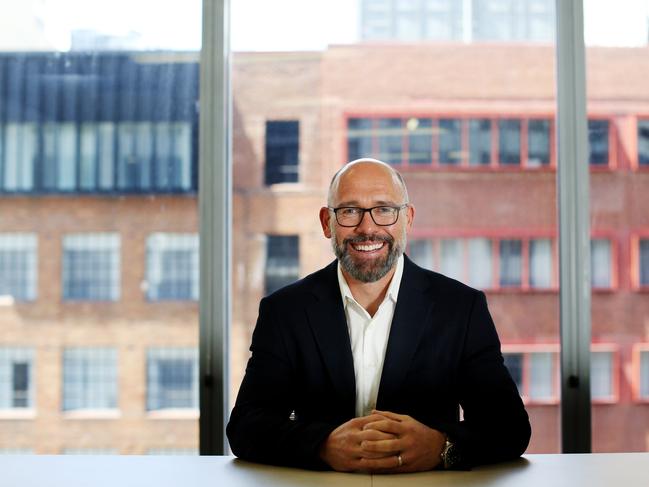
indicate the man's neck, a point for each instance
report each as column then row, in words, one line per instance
column 370, row 295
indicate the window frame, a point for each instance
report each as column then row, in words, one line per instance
column 527, row 350
column 636, row 381
column 635, row 158
column 464, row 118
column 634, row 252
column 614, row 262
column 614, row 350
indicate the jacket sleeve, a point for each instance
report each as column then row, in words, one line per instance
column 261, row 428
column 495, row 426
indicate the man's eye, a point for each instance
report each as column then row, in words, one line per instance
column 384, row 210
column 349, row 211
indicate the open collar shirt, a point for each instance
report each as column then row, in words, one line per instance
column 369, row 338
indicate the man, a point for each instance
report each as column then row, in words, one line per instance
column 362, row 366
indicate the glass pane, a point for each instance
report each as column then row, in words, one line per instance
column 420, row 140
column 538, row 143
column 390, row 138
column 510, row 263
column 542, row 374
column 99, row 138
column 450, row 141
column 480, row 142
column 643, row 142
column 361, row 85
column 509, row 141
column 541, row 263
column 617, row 142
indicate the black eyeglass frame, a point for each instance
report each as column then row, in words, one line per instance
column 369, row 210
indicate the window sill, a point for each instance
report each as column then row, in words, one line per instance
column 92, row 414
column 17, row 413
column 173, row 414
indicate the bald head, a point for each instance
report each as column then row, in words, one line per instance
column 365, row 170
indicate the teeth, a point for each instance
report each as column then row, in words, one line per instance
column 368, row 248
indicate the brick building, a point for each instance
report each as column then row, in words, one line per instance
column 471, row 127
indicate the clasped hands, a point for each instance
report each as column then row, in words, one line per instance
column 383, row 442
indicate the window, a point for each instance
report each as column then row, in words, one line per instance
column 535, row 374
column 643, row 388
column 18, row 264
column 420, row 140
column 643, row 142
column 600, row 263
column 511, row 263
column 16, row 378
column 479, row 142
column 538, row 143
column 644, row 261
column 421, row 253
column 58, row 162
column 89, row 378
column 172, row 378
column 509, row 131
column 540, row 263
column 450, row 141
column 91, row 267
column 282, row 151
column 172, row 267
column 135, row 153
column 601, row 376
column 359, row 138
column 19, row 157
column 598, row 142
column 444, row 142
column 282, row 261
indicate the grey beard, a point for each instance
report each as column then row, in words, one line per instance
column 368, row 273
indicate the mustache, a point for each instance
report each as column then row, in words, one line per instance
column 368, row 238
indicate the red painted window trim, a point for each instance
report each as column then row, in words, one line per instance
column 638, row 349
column 613, row 139
column 634, row 270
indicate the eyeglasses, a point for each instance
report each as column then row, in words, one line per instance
column 352, row 216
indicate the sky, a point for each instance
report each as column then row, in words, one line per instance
column 275, row 24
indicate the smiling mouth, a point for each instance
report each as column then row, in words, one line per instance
column 367, row 247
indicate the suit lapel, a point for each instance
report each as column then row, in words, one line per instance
column 410, row 317
column 329, row 325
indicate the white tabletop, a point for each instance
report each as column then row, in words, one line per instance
column 596, row 470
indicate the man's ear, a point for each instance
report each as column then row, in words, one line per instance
column 410, row 215
column 325, row 217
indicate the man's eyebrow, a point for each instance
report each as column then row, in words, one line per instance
column 356, row 203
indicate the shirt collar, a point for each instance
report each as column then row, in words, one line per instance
column 393, row 289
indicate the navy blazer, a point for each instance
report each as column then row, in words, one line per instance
column 443, row 352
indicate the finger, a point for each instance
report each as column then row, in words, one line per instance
column 385, row 446
column 377, row 454
column 390, row 463
column 372, row 434
column 391, row 415
column 386, row 426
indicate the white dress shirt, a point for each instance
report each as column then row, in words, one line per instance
column 369, row 338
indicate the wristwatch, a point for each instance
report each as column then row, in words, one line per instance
column 450, row 455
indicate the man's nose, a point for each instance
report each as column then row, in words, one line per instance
column 367, row 224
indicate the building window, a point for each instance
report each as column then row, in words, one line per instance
column 509, row 131
column 16, row 378
column 598, row 142
column 601, row 263
column 18, row 265
column 535, row 374
column 601, row 376
column 89, row 378
column 465, row 142
column 282, row 261
column 420, row 140
column 390, row 131
column 172, row 378
column 479, row 142
column 644, row 375
column 91, row 267
column 472, row 261
column 643, row 142
column 172, row 267
column 644, row 262
column 450, row 141
column 511, row 263
column 19, row 157
column 282, row 151
column 59, row 154
column 538, row 143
